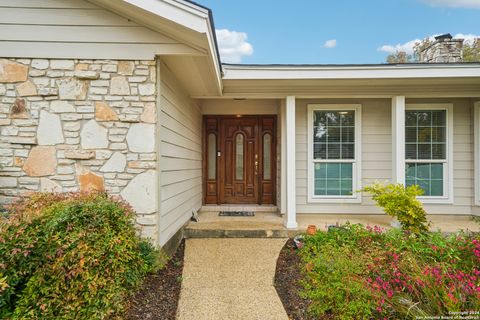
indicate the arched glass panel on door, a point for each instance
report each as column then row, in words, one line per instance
column 267, row 156
column 239, row 142
column 212, row 156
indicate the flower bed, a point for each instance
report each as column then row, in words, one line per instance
column 366, row 272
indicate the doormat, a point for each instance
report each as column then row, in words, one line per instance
column 236, row 214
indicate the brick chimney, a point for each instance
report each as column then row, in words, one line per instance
column 444, row 49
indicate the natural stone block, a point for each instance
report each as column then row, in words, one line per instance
column 55, row 74
column 140, row 192
column 87, row 75
column 116, row 163
column 149, row 114
column 62, row 64
column 36, row 73
column 72, row 89
column 109, row 68
column 26, row 89
column 126, row 67
column 103, row 112
column 9, row 131
column 93, row 136
column 70, row 116
column 23, row 140
column 47, row 92
column 8, row 182
column 85, row 109
column 137, row 79
column 119, row 86
column 98, row 90
column 129, row 118
column 40, row 64
column 49, row 130
column 47, row 185
column 141, row 137
column 59, row 106
column 118, row 146
column 11, row 72
column 81, row 67
column 146, row 89
column 79, row 154
column 5, row 122
column 65, row 169
column 41, row 161
column 89, row 181
column 141, row 165
column 72, row 126
column 19, row 110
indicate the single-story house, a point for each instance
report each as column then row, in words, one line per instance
column 130, row 96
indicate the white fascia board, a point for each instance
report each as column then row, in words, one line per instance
column 349, row 72
column 181, row 12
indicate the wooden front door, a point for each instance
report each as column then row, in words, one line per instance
column 240, row 154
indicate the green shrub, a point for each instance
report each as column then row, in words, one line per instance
column 69, row 256
column 401, row 203
column 331, row 283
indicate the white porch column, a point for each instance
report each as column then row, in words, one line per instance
column 398, row 139
column 283, row 157
column 291, row 216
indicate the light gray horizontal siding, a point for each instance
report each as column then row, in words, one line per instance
column 377, row 157
column 76, row 29
column 181, row 155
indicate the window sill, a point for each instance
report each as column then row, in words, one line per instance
column 435, row 200
column 335, row 200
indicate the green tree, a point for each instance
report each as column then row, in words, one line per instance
column 471, row 52
column 400, row 57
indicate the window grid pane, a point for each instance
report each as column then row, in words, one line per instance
column 429, row 176
column 333, row 179
column 334, row 134
column 425, row 135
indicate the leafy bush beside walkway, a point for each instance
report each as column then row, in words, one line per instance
column 69, row 256
column 357, row 272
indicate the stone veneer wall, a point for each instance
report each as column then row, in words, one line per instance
column 80, row 125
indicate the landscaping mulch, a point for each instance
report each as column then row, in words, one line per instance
column 287, row 282
column 158, row 297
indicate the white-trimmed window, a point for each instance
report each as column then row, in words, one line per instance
column 334, row 132
column 428, row 150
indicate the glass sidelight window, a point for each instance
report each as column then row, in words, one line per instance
column 334, row 151
column 239, row 159
column 267, row 150
column 212, row 156
column 426, row 150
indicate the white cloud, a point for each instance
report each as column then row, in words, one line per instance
column 468, row 38
column 330, row 44
column 408, row 46
column 233, row 45
column 454, row 3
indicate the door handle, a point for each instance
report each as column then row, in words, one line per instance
column 256, row 168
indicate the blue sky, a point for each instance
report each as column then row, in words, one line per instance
column 286, row 31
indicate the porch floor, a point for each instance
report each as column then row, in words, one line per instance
column 270, row 224
column 262, row 225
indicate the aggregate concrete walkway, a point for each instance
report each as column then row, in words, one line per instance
column 229, row 279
